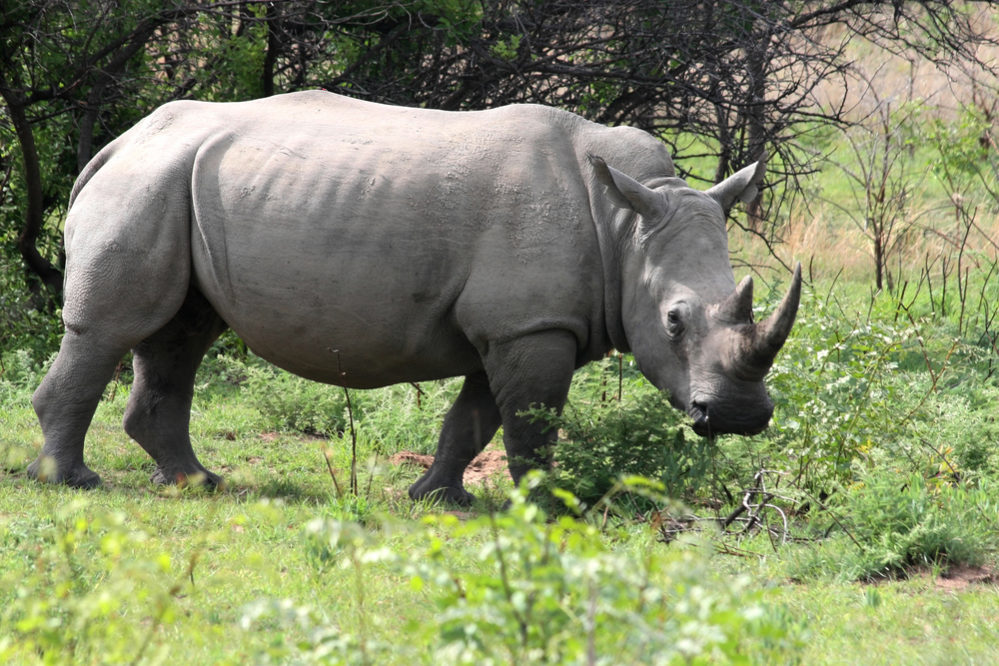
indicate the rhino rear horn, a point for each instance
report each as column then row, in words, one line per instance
column 738, row 307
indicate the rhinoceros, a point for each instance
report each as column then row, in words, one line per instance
column 363, row 245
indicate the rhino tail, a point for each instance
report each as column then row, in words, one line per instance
column 95, row 164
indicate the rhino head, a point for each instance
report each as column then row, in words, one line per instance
column 688, row 325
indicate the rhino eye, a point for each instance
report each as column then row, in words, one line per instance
column 674, row 323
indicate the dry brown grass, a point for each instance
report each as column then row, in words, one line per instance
column 830, row 247
column 828, row 241
column 906, row 77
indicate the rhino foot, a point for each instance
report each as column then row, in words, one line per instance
column 46, row 469
column 201, row 477
column 428, row 488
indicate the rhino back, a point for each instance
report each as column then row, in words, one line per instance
column 338, row 236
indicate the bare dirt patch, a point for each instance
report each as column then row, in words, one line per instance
column 962, row 577
column 952, row 579
column 487, row 464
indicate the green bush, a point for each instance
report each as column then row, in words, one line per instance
column 540, row 591
column 891, row 523
column 402, row 416
column 291, row 403
column 27, row 322
column 72, row 590
column 604, row 437
column 405, row 416
column 21, row 372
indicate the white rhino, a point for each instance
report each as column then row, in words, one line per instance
column 364, row 245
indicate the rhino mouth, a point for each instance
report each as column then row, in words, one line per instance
column 709, row 423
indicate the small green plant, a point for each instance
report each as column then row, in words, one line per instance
column 892, row 524
column 75, row 592
column 291, row 403
column 604, row 442
column 618, row 425
column 538, row 591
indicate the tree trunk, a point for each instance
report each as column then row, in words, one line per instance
column 757, row 56
column 43, row 272
column 879, row 260
column 272, row 23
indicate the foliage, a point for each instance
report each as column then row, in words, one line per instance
column 883, row 440
column 25, row 327
column 20, row 372
column 896, row 523
column 721, row 79
column 316, row 578
column 888, row 378
column 397, row 417
column 965, row 427
column 605, row 436
column 291, row 403
column 884, row 177
column 541, row 592
column 405, row 416
column 70, row 606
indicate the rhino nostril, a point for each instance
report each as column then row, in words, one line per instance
column 699, row 412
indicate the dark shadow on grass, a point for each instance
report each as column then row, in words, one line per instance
column 287, row 490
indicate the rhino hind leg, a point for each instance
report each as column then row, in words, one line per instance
column 65, row 403
column 469, row 425
column 159, row 407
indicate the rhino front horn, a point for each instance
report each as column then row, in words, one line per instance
column 766, row 338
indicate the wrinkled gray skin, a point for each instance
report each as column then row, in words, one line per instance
column 364, row 245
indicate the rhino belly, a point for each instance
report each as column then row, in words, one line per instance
column 339, row 305
column 355, row 337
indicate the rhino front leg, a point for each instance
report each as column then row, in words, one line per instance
column 158, row 414
column 469, row 425
column 532, row 371
column 65, row 403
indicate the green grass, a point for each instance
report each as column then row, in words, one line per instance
column 280, row 567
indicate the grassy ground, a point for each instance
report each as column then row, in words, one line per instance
column 280, row 567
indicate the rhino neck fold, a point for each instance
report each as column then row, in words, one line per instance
column 611, row 265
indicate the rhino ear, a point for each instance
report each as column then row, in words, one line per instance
column 743, row 185
column 627, row 192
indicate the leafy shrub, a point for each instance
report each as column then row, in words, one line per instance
column 540, row 591
column 961, row 429
column 291, row 403
column 897, row 522
column 71, row 590
column 23, row 325
column 845, row 385
column 402, row 416
column 617, row 425
column 903, row 521
column 405, row 416
column 642, row 436
column 20, row 373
